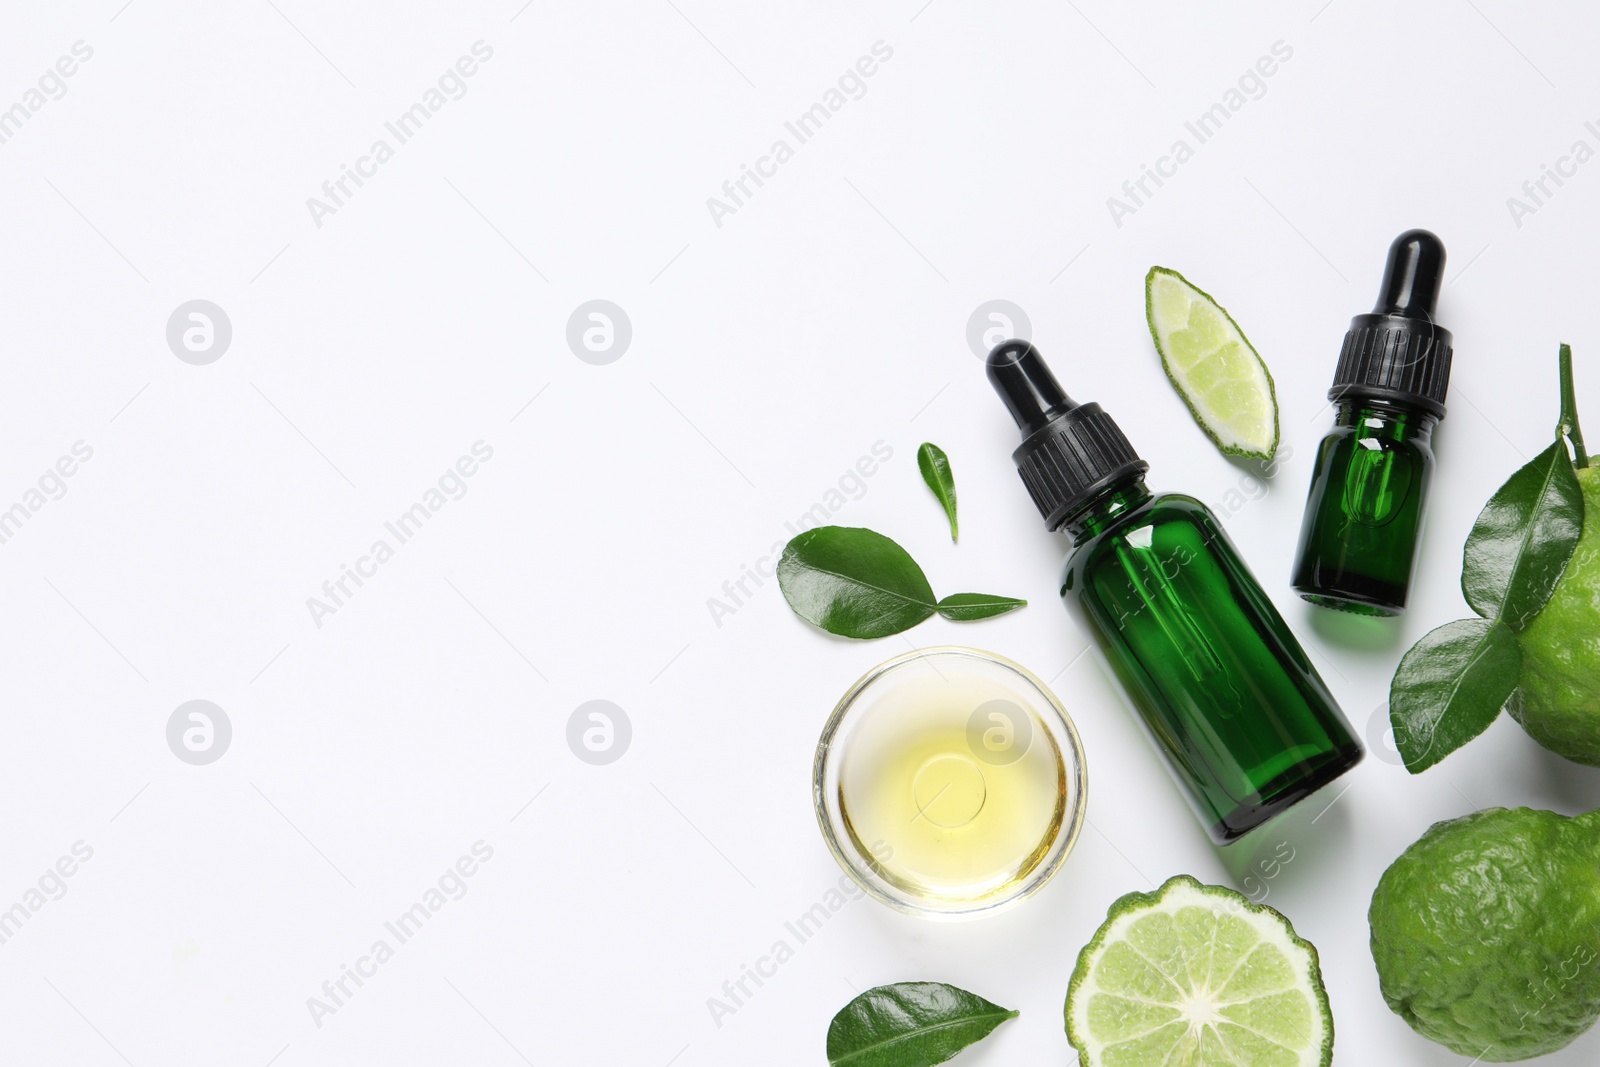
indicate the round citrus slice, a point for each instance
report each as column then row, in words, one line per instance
column 1198, row 975
column 1212, row 366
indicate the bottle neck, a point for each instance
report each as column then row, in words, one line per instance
column 1385, row 418
column 1106, row 508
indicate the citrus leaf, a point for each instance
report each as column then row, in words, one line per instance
column 935, row 468
column 1523, row 538
column 910, row 1024
column 967, row 607
column 1450, row 687
column 853, row 582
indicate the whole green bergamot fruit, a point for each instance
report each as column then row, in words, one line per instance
column 1558, row 696
column 1486, row 932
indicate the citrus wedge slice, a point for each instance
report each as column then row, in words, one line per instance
column 1212, row 366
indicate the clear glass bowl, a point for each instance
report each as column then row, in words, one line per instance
column 950, row 783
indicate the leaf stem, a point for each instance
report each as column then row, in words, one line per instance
column 1568, row 427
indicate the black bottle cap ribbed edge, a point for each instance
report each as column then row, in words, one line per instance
column 1070, row 452
column 1398, row 353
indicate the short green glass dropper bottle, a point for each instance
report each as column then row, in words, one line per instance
column 1247, row 726
column 1369, row 482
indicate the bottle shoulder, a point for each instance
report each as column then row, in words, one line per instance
column 1162, row 516
column 1409, row 437
column 1170, row 506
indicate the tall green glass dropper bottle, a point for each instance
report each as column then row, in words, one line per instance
column 1363, row 520
column 1227, row 693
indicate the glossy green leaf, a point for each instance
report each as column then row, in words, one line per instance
column 853, row 582
column 911, row 1024
column 1450, row 687
column 1523, row 538
column 967, row 607
column 935, row 468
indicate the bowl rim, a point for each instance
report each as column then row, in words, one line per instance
column 854, row 864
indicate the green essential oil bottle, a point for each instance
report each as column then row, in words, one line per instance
column 1227, row 693
column 1363, row 521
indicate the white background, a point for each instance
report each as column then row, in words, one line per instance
column 768, row 355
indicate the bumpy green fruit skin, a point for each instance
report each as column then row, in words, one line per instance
column 1486, row 932
column 1558, row 697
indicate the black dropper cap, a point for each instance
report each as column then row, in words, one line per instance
column 1398, row 353
column 1070, row 452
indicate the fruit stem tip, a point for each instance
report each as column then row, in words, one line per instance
column 1568, row 426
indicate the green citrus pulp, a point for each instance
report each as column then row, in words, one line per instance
column 1198, row 975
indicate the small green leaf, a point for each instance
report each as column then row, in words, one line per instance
column 1450, row 687
column 967, row 607
column 935, row 468
column 1523, row 538
column 911, row 1024
column 853, row 582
